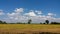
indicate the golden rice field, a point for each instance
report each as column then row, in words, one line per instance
column 20, row 28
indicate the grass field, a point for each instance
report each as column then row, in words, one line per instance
column 28, row 28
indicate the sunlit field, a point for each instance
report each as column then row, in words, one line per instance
column 17, row 28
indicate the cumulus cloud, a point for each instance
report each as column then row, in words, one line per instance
column 19, row 10
column 30, row 14
column 35, row 15
column 38, row 12
column 10, row 14
column 1, row 12
column 51, row 14
column 16, row 14
column 13, row 15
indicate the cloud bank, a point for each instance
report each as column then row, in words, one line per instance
column 19, row 15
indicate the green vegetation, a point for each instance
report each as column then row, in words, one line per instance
column 47, row 21
column 29, row 22
column 2, row 22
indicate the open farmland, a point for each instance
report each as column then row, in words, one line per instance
column 28, row 28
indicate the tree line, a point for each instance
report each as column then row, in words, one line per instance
column 29, row 22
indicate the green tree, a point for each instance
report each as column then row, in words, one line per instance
column 44, row 23
column 4, row 22
column 29, row 21
column 47, row 21
column 41, row 23
column 1, row 22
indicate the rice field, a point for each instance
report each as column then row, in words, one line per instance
column 28, row 28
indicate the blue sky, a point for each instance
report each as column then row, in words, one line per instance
column 46, row 6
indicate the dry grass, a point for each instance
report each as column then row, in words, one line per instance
column 28, row 28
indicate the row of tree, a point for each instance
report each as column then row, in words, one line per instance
column 2, row 22
column 29, row 22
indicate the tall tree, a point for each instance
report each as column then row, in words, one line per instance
column 47, row 21
column 29, row 21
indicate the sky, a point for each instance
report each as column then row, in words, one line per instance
column 36, row 10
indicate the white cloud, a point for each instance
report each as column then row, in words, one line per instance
column 51, row 14
column 1, row 12
column 11, row 14
column 42, row 16
column 16, row 14
column 38, row 12
column 19, row 10
column 31, row 13
column 11, row 17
